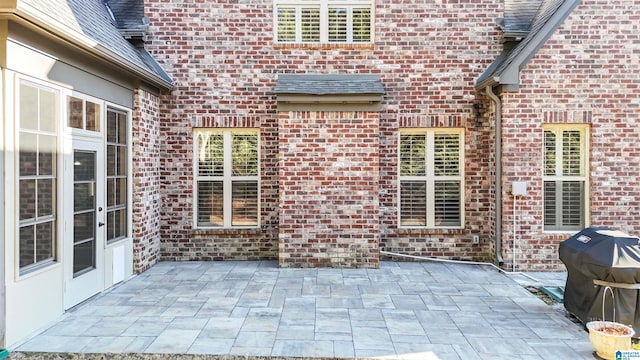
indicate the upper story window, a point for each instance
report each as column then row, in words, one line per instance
column 323, row 21
column 227, row 172
column 431, row 173
column 565, row 177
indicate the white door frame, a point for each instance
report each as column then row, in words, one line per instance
column 90, row 281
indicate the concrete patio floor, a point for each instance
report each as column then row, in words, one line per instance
column 404, row 310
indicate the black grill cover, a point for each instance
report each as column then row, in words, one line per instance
column 602, row 254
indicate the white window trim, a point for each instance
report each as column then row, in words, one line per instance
column 129, row 189
column 584, row 168
column 82, row 132
column 227, row 178
column 429, row 175
column 13, row 162
column 324, row 19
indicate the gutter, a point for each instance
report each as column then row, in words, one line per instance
column 85, row 45
column 498, row 182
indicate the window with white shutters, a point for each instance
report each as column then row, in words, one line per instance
column 565, row 177
column 226, row 171
column 431, row 178
column 323, row 21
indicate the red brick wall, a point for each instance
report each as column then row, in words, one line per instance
column 223, row 60
column 328, row 179
column 587, row 73
column 146, row 180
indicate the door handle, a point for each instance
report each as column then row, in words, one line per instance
column 100, row 224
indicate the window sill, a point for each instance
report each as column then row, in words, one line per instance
column 560, row 232
column 429, row 231
column 33, row 272
column 117, row 242
column 227, row 231
column 322, row 46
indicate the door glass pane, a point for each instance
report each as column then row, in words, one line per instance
column 84, row 226
column 83, row 257
column 84, row 166
column 83, row 197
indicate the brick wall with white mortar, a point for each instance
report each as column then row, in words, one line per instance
column 328, row 183
column 145, row 138
column 224, row 62
column 588, row 72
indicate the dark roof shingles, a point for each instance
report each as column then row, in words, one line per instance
column 329, row 84
column 129, row 13
column 91, row 18
column 546, row 10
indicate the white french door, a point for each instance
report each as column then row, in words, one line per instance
column 85, row 217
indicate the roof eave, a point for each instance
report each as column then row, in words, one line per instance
column 84, row 44
column 509, row 78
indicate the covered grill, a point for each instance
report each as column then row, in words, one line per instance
column 596, row 258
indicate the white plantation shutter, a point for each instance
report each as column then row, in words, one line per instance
column 337, row 24
column 286, row 24
column 412, row 155
column 446, row 161
column 571, row 154
column 564, row 176
column 413, row 203
column 446, row 157
column 310, row 25
column 227, row 178
column 431, row 178
column 361, row 25
column 323, row 21
column 244, row 203
column 447, row 203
